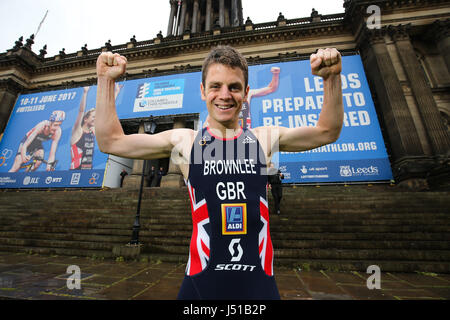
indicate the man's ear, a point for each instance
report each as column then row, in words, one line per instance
column 247, row 90
column 202, row 91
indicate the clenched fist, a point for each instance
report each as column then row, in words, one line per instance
column 326, row 62
column 275, row 70
column 111, row 65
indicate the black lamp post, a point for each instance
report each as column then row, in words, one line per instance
column 149, row 128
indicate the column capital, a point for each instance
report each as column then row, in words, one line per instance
column 11, row 86
column 439, row 29
column 399, row 32
column 372, row 36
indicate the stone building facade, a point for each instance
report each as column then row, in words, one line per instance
column 404, row 46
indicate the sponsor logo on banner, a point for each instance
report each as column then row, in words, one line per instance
column 7, row 180
column 94, row 178
column 349, row 171
column 313, row 172
column 234, row 218
column 345, row 171
column 75, row 180
column 50, row 180
column 30, row 180
column 159, row 95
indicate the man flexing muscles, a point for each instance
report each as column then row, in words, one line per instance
column 224, row 166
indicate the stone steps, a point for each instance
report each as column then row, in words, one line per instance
column 331, row 227
column 183, row 239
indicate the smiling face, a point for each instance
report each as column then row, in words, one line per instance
column 224, row 92
column 89, row 119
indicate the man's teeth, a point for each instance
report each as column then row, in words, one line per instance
column 223, row 107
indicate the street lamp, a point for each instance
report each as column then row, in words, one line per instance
column 149, row 128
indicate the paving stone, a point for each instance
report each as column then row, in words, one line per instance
column 419, row 280
column 345, row 278
column 290, row 287
column 321, row 287
column 123, row 290
column 405, row 294
column 359, row 292
column 26, row 277
column 165, row 289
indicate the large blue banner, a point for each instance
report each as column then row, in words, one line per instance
column 296, row 101
column 50, row 138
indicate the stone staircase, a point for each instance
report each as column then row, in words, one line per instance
column 327, row 227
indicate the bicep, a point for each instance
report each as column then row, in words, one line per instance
column 301, row 138
column 146, row 146
column 140, row 146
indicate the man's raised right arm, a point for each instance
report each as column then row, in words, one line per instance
column 108, row 130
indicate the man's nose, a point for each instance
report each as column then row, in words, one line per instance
column 224, row 93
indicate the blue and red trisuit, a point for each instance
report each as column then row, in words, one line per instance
column 231, row 253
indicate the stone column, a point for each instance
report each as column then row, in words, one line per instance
column 436, row 131
column 194, row 17
column 173, row 9
column 174, row 177
column 222, row 13
column 133, row 181
column 183, row 18
column 240, row 13
column 208, row 15
column 408, row 158
column 234, row 13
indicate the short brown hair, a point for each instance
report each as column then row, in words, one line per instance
column 228, row 56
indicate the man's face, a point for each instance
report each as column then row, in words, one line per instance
column 54, row 126
column 224, row 93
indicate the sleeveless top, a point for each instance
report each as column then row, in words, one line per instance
column 83, row 152
column 36, row 144
column 231, row 254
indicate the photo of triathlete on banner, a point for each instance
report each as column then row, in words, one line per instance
column 50, row 135
column 30, row 154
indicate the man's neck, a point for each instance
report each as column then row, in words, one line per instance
column 223, row 130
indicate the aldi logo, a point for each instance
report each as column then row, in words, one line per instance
column 234, row 218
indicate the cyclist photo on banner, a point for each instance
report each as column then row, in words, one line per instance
column 30, row 154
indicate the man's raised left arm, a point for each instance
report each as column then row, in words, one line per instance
column 326, row 63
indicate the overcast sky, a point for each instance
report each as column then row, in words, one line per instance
column 71, row 24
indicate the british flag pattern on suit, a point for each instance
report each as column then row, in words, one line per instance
column 230, row 252
column 199, row 247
